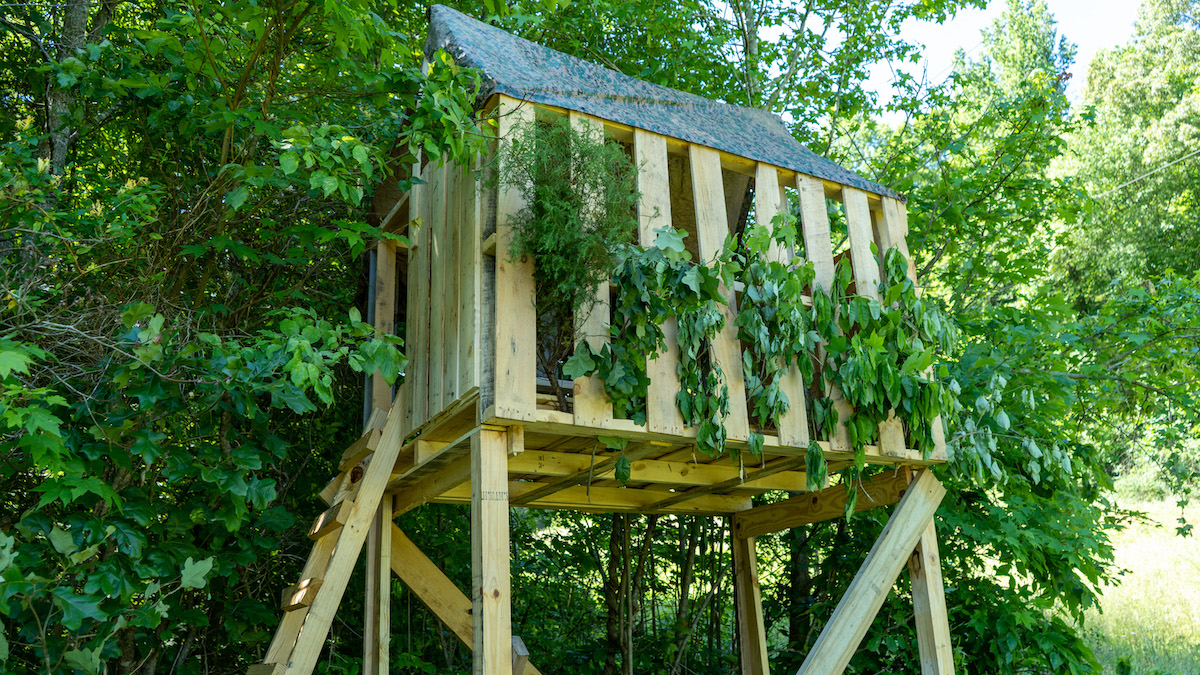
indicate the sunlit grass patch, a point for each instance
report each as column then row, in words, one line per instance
column 1151, row 621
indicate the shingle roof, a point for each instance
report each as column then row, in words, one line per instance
column 528, row 71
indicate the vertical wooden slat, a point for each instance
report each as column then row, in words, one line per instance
column 516, row 320
column 814, row 223
column 469, row 269
column 385, row 312
column 492, row 609
column 892, row 231
column 377, row 623
column 861, row 232
column 592, row 407
column 752, row 632
column 768, row 202
column 929, row 606
column 712, row 229
column 419, row 315
column 416, row 194
column 654, row 211
column 454, row 217
column 437, row 290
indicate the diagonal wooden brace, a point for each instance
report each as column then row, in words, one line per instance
column 890, row 554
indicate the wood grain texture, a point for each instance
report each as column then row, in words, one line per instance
column 516, row 320
column 377, row 622
column 752, row 632
column 858, row 607
column 385, row 312
column 437, row 289
column 929, row 606
column 654, row 211
column 880, row 490
column 712, row 229
column 470, row 261
column 491, row 594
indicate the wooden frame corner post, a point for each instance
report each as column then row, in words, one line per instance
column 929, row 606
column 751, row 630
column 491, row 595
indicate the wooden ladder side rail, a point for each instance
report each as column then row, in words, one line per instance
column 350, row 539
column 890, row 554
column 436, row 591
column 814, row 507
column 929, row 606
column 752, row 632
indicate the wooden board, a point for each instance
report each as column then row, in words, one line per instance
column 435, row 590
column 516, row 320
column 491, row 595
column 418, row 348
column 881, row 490
column 450, row 270
column 607, row 500
column 929, row 606
column 470, row 260
column 664, row 473
column 437, row 289
column 793, row 425
column 592, row 407
column 857, row 608
column 712, row 229
column 377, row 622
column 752, row 633
column 385, row 310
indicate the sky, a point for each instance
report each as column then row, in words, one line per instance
column 1091, row 24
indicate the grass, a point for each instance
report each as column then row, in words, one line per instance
column 1151, row 621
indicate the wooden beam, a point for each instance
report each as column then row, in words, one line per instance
column 385, row 314
column 311, row 639
column 520, row 655
column 607, row 499
column 776, row 467
column 752, row 632
column 662, row 472
column 492, row 608
column 546, row 489
column 435, row 590
column 881, row 490
column 891, row 552
column 929, row 606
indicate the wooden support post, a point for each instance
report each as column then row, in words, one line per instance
column 866, row 593
column 929, row 606
column 385, row 313
column 751, row 631
column 377, row 623
column 492, row 610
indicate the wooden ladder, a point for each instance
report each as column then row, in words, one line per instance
column 354, row 497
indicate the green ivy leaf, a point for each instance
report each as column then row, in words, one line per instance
column 622, row 468
column 289, row 162
column 62, row 541
column 193, row 573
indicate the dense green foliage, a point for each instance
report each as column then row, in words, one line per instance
column 181, row 229
column 580, row 206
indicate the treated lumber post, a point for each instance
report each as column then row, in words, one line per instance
column 378, row 621
column 491, row 609
column 929, row 606
column 385, row 313
column 516, row 320
column 435, row 590
column 870, row 587
column 654, row 212
column 751, row 631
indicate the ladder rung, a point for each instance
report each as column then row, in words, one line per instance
column 333, row 518
column 360, row 449
column 300, row 595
